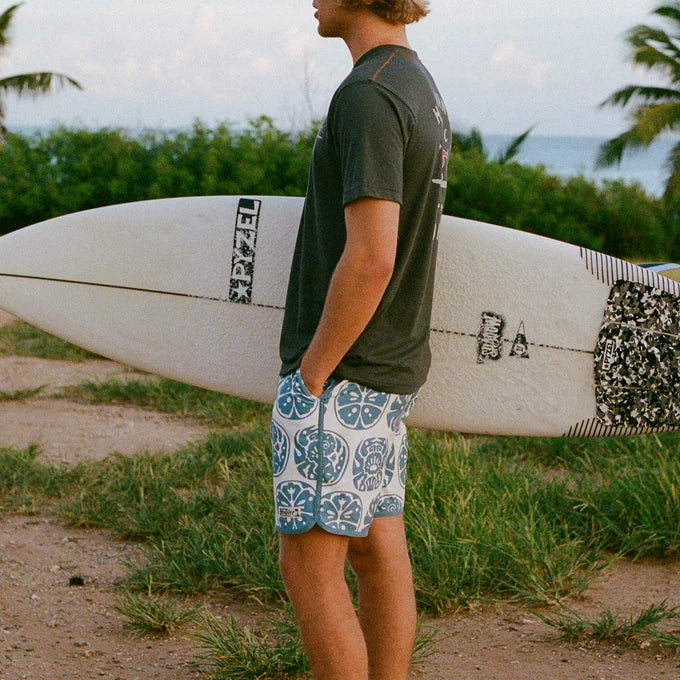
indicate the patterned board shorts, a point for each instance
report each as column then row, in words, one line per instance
column 339, row 460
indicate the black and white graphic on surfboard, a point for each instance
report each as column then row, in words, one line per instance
column 243, row 254
column 637, row 358
column 520, row 346
column 490, row 337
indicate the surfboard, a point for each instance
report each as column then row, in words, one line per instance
column 530, row 336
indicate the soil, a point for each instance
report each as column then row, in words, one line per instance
column 53, row 629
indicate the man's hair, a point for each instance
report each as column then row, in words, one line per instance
column 394, row 11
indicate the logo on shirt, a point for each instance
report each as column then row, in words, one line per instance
column 439, row 111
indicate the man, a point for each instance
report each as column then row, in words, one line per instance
column 354, row 346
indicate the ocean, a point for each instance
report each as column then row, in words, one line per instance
column 572, row 156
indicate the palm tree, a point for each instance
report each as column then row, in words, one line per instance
column 655, row 109
column 27, row 83
column 472, row 141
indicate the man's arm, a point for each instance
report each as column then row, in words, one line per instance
column 356, row 288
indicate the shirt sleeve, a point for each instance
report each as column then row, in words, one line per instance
column 370, row 131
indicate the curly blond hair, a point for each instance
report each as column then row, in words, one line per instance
column 394, row 11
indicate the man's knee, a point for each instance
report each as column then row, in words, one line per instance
column 382, row 550
column 315, row 555
column 362, row 557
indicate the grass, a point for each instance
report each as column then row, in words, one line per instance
column 483, row 521
column 169, row 396
column 274, row 650
column 28, row 485
column 608, row 627
column 482, row 525
column 491, row 518
column 149, row 614
column 242, row 653
column 21, row 395
column 21, row 339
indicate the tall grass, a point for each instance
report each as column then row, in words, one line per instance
column 485, row 519
column 21, row 339
column 528, row 519
column 242, row 653
column 169, row 396
column 481, row 525
column 635, row 510
column 608, row 627
column 27, row 484
column 204, row 510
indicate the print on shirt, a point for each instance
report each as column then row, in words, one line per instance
column 441, row 180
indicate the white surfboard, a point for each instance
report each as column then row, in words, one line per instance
column 530, row 336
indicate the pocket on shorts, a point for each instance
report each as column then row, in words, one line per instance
column 293, row 400
column 302, row 386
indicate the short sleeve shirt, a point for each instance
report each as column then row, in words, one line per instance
column 386, row 136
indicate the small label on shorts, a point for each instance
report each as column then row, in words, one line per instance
column 290, row 513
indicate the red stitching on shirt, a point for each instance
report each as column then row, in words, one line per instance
column 389, row 59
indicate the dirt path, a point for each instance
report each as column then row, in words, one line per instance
column 52, row 630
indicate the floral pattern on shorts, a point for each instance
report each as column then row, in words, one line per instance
column 338, row 460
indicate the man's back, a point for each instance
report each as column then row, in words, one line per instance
column 386, row 137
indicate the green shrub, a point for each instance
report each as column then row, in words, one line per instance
column 67, row 170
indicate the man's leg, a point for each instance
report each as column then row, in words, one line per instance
column 313, row 569
column 387, row 608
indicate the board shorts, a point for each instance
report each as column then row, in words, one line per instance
column 338, row 460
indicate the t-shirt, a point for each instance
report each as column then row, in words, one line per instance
column 386, row 136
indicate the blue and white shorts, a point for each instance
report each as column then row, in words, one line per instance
column 339, row 460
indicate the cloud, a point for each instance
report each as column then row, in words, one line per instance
column 299, row 44
column 205, row 29
column 513, row 62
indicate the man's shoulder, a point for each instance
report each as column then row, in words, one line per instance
column 385, row 64
column 393, row 69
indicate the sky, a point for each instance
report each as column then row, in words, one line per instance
column 501, row 65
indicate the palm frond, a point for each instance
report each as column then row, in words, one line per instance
column 673, row 182
column 35, row 83
column 648, row 36
column 611, row 152
column 657, row 109
column 511, row 151
column 647, row 93
column 653, row 120
column 650, row 122
column 643, row 34
column 5, row 21
column 671, row 12
column 654, row 59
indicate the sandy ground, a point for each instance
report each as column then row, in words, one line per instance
column 52, row 630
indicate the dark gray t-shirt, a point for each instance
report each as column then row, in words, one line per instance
column 386, row 136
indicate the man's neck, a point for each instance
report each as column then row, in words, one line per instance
column 370, row 31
